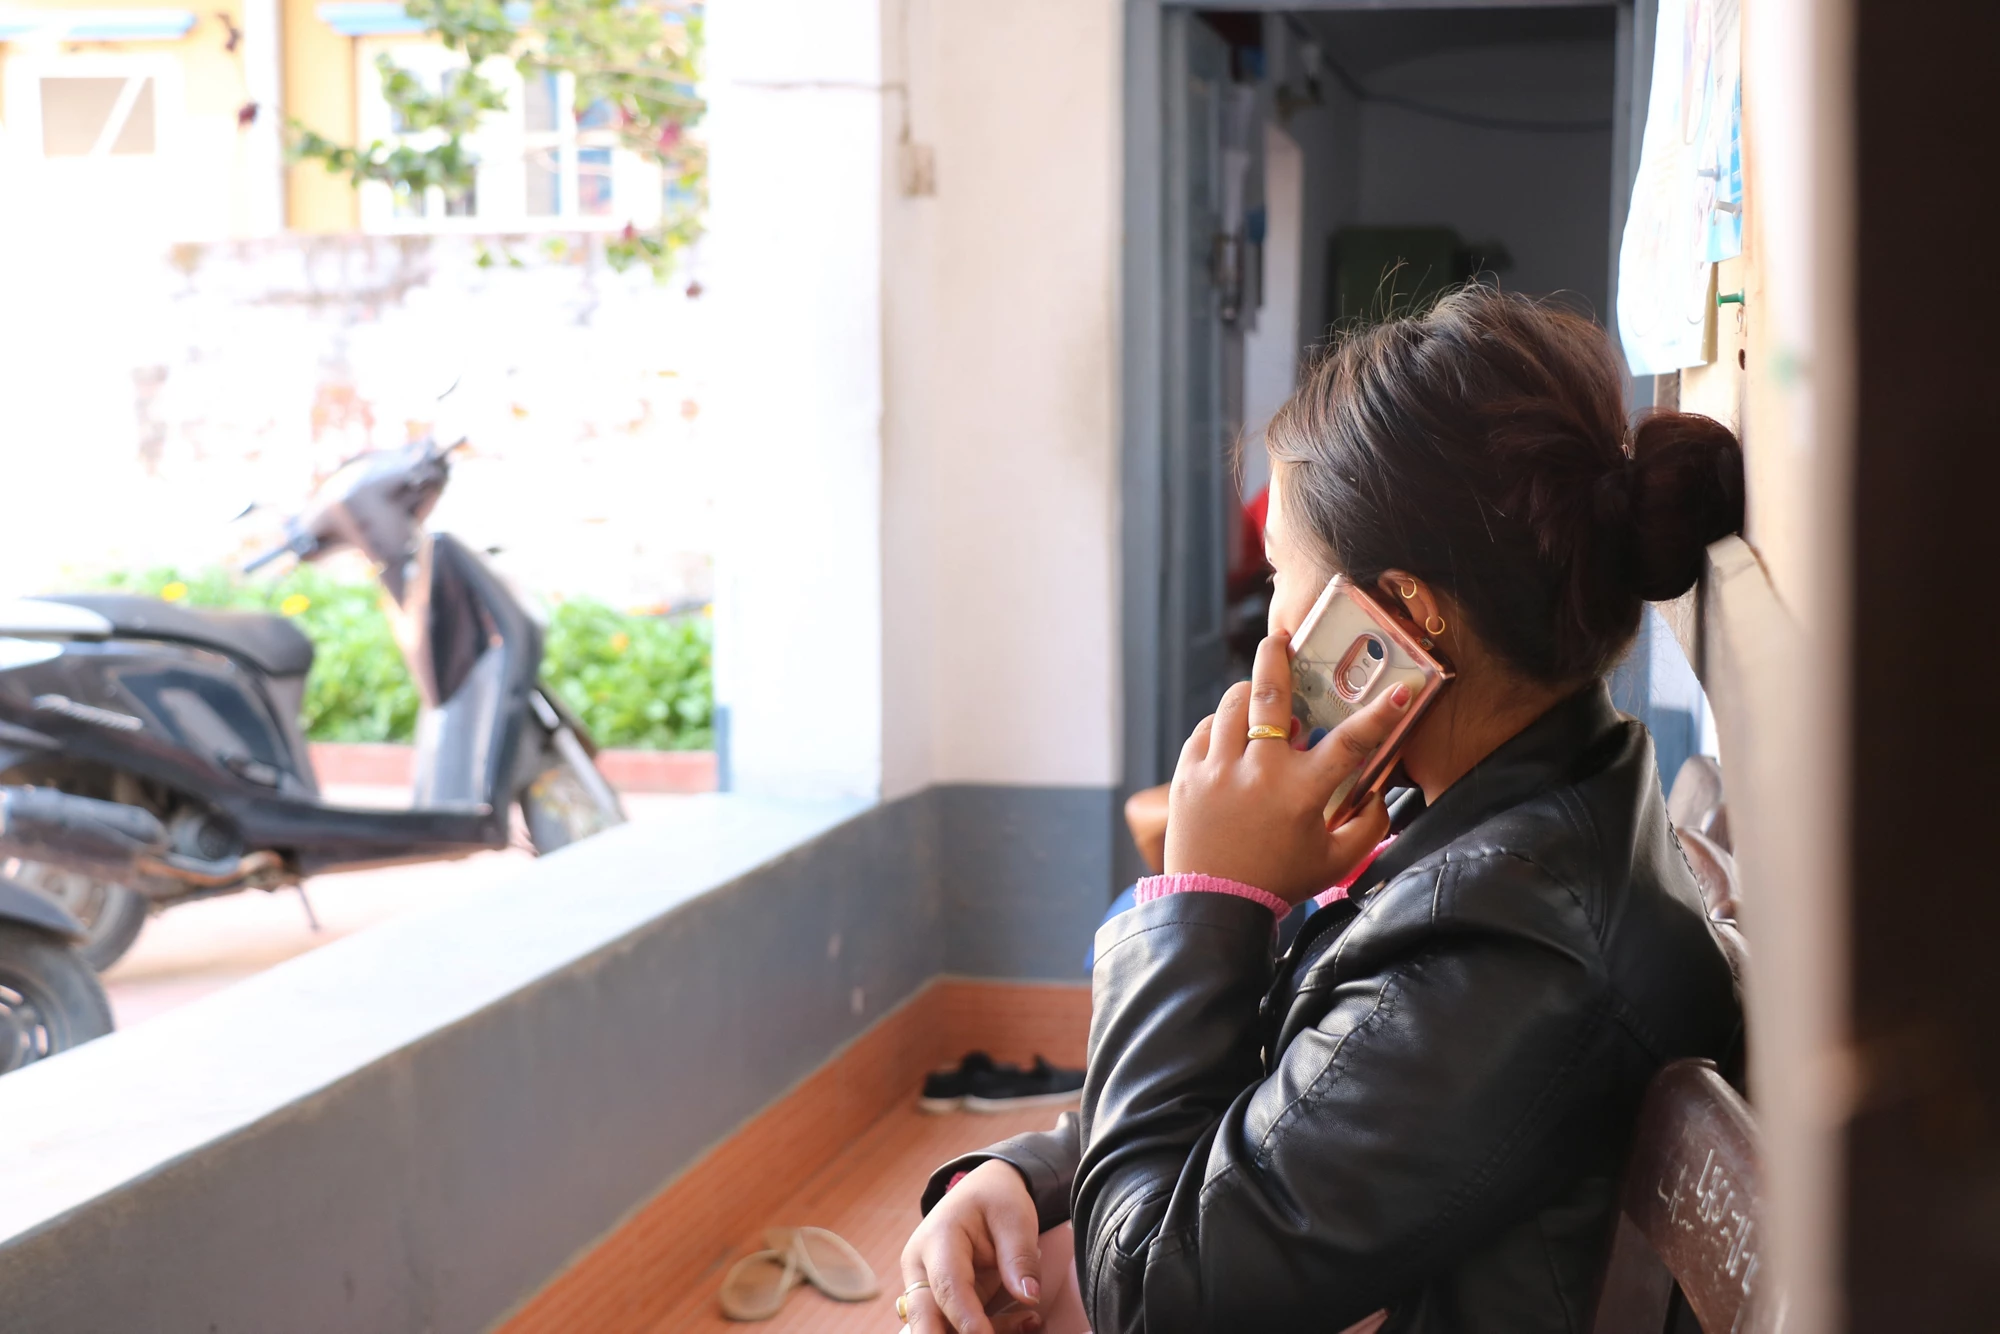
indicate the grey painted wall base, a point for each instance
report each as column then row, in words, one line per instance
column 413, row 1129
column 1026, row 874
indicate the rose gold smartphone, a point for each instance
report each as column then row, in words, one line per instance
column 1346, row 653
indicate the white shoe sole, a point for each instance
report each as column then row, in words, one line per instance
column 989, row 1106
column 939, row 1106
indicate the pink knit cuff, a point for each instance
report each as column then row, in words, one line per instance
column 1326, row 898
column 1159, row 886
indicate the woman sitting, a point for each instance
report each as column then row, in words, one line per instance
column 1415, row 1118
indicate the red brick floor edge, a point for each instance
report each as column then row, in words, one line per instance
column 381, row 765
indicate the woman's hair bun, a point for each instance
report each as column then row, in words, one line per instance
column 1484, row 446
column 1686, row 491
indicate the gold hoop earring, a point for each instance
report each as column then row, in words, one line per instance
column 1409, row 592
column 1434, row 630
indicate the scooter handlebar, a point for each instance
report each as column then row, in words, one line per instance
column 299, row 544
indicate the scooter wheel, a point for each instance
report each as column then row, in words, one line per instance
column 560, row 810
column 112, row 915
column 50, row 999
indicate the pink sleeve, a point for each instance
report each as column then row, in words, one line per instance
column 1159, row 886
column 1326, row 897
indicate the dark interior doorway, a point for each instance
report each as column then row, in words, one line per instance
column 1292, row 169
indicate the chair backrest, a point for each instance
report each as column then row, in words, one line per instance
column 1696, row 801
column 1689, row 1213
column 1714, row 868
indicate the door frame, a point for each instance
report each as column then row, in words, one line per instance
column 1145, row 751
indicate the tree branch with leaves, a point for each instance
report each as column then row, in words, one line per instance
column 638, row 59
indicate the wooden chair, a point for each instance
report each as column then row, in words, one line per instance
column 1696, row 801
column 1714, row 869
column 1689, row 1214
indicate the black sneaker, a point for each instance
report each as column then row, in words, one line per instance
column 1007, row 1087
column 945, row 1090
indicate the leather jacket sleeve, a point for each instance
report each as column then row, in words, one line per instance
column 1436, row 1091
column 1046, row 1160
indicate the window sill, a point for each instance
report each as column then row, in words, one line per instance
column 113, row 1113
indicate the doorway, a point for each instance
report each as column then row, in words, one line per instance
column 1293, row 170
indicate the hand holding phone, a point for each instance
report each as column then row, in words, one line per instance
column 1346, row 654
column 1245, row 806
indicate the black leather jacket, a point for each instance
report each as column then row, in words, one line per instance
column 1425, row 1104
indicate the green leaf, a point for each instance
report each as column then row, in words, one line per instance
column 640, row 59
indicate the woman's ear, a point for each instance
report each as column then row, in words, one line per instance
column 1405, row 595
column 1412, row 599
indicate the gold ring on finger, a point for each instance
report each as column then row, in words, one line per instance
column 1266, row 732
column 903, row 1302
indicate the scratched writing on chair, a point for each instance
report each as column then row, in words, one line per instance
column 1711, row 1215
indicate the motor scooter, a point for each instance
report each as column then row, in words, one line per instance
column 151, row 754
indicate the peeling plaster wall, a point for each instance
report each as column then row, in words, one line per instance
column 145, row 398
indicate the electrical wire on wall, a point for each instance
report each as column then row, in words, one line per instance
column 1314, row 57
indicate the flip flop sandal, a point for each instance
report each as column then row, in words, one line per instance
column 756, row 1286
column 827, row 1260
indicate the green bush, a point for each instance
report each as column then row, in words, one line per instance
column 642, row 679
column 635, row 681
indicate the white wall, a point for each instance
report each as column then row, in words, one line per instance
column 1000, row 441
column 1272, row 344
column 917, row 578
column 1544, row 195
column 248, row 370
column 796, row 114
column 1329, row 139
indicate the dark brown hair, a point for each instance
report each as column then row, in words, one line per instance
column 1483, row 447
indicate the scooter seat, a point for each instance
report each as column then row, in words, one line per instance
column 271, row 643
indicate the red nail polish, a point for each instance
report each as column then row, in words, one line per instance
column 1400, row 697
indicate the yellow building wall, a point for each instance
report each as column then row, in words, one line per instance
column 319, row 94
column 211, row 201
column 214, row 74
column 318, row 90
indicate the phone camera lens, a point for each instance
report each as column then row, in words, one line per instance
column 1375, row 649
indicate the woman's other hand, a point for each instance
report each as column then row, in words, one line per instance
column 1254, row 811
column 1146, row 817
column 978, row 1248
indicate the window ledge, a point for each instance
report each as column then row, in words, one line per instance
column 96, row 25
column 380, row 18
column 125, row 1107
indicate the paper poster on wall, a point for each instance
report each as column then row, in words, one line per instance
column 1687, row 202
column 1725, row 218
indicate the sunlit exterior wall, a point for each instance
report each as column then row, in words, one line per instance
column 320, row 95
column 205, row 168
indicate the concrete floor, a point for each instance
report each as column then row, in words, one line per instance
column 190, row 951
